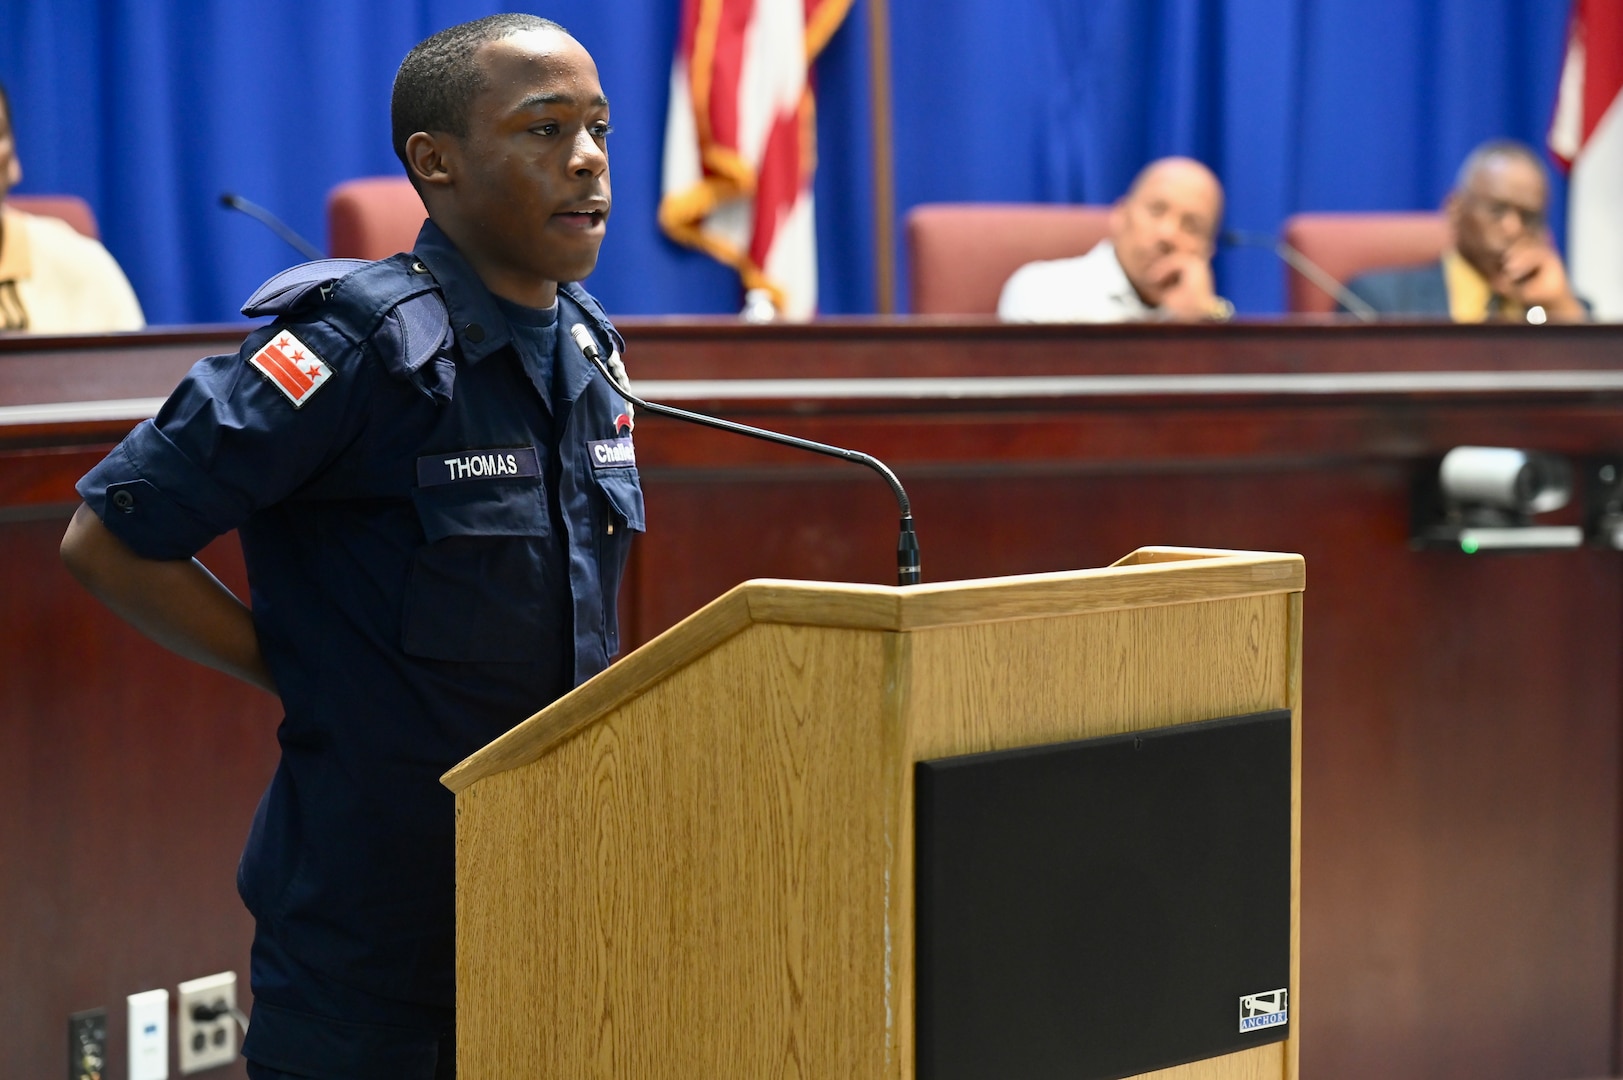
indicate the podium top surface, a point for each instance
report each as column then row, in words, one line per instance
column 1149, row 577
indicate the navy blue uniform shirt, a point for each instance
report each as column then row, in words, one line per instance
column 430, row 561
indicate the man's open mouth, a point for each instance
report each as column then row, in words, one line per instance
column 584, row 217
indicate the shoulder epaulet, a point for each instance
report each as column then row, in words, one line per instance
column 286, row 291
column 393, row 304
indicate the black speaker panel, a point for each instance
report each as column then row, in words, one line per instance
column 1098, row 909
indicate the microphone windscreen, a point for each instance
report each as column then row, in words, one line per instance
column 584, row 340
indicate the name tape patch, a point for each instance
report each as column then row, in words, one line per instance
column 613, row 453
column 292, row 366
column 459, row 465
column 1264, row 1010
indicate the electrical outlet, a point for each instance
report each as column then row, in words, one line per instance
column 87, row 1044
column 205, row 1025
column 149, row 1035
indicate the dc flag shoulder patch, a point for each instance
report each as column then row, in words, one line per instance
column 292, row 366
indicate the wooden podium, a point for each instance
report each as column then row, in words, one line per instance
column 701, row 864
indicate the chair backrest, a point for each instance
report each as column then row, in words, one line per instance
column 373, row 217
column 960, row 254
column 1348, row 245
column 70, row 208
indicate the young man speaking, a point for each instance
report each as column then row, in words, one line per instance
column 433, row 547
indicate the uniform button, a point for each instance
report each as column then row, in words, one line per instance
column 418, row 268
column 474, row 332
column 124, row 500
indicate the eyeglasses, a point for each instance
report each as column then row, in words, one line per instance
column 1496, row 209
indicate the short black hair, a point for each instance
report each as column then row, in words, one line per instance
column 438, row 79
column 5, row 101
column 1495, row 149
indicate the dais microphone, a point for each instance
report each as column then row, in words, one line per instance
column 1305, row 266
column 275, row 224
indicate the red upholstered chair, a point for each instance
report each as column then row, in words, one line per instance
column 373, row 217
column 1348, row 245
column 960, row 254
column 70, row 208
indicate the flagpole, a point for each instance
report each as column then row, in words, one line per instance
column 884, row 175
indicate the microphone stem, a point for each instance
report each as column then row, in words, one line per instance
column 778, row 437
column 1318, row 276
column 907, row 546
column 274, row 224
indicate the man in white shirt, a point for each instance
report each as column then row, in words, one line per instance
column 52, row 279
column 1156, row 264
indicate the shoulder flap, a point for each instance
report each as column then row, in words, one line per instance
column 394, row 304
column 284, row 292
column 413, row 333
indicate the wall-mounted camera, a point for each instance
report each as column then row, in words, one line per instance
column 1484, row 498
column 1603, row 502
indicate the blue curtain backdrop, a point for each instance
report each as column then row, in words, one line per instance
column 151, row 108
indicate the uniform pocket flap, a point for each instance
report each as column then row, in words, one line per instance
column 624, row 493
column 500, row 507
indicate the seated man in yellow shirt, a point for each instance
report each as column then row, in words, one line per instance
column 1503, row 264
column 52, row 279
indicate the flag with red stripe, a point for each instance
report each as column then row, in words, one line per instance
column 292, row 367
column 1586, row 134
column 741, row 139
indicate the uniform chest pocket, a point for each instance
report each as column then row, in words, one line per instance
column 618, row 513
column 623, row 494
column 485, row 585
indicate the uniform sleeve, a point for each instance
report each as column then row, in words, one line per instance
column 230, row 441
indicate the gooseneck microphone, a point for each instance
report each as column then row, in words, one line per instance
column 271, row 222
column 1305, row 266
column 907, row 543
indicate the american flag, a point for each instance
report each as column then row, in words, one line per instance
column 741, row 141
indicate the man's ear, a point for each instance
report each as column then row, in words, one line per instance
column 1453, row 206
column 431, row 157
column 14, row 171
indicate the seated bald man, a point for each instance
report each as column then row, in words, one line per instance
column 1157, row 263
column 1502, row 266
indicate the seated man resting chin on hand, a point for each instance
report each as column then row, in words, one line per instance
column 1156, row 264
column 1501, row 265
